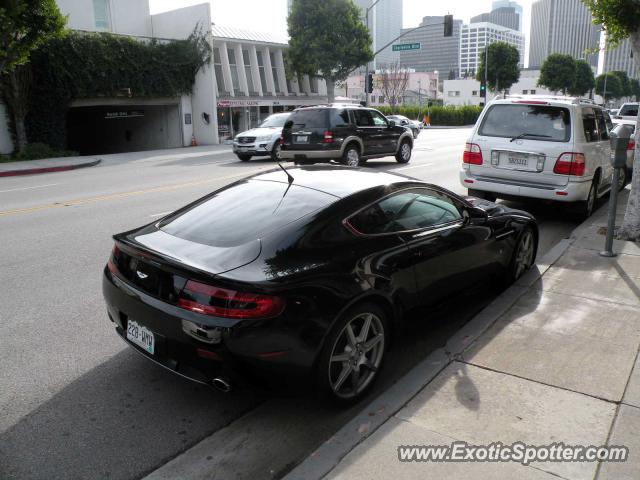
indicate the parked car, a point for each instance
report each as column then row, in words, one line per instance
column 628, row 111
column 405, row 122
column 625, row 174
column 303, row 274
column 261, row 141
column 547, row 147
column 351, row 134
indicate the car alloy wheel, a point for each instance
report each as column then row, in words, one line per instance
column 275, row 152
column 622, row 179
column 591, row 200
column 524, row 254
column 404, row 155
column 353, row 157
column 356, row 355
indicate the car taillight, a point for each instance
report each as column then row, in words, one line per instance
column 570, row 163
column 631, row 145
column 222, row 302
column 113, row 262
column 281, row 139
column 328, row 137
column 472, row 154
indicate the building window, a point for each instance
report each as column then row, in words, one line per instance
column 532, row 92
column 217, row 69
column 247, row 71
column 234, row 71
column 524, row 92
column 274, row 70
column 101, row 14
column 474, row 93
column 263, row 75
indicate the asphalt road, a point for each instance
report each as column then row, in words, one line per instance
column 76, row 402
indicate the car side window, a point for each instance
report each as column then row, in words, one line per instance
column 602, row 125
column 378, row 119
column 406, row 211
column 589, row 125
column 339, row 118
column 363, row 118
column 607, row 119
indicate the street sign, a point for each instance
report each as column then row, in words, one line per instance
column 405, row 46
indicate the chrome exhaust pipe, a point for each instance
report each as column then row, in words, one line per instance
column 222, row 384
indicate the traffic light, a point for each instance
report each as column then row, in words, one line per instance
column 448, row 25
column 369, row 85
column 483, row 89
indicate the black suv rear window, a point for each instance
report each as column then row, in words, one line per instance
column 533, row 122
column 316, row 118
column 245, row 212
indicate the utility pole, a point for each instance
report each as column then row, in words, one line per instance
column 486, row 69
column 366, row 70
column 419, row 95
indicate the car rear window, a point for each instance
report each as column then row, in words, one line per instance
column 629, row 110
column 533, row 122
column 244, row 212
column 309, row 118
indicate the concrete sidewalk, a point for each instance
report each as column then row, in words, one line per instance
column 47, row 165
column 550, row 360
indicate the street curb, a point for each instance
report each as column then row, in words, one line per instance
column 320, row 463
column 61, row 168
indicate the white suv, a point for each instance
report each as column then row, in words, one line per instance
column 554, row 148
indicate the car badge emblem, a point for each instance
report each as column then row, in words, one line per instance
column 141, row 275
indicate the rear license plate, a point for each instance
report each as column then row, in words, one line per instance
column 517, row 161
column 141, row 336
column 302, row 139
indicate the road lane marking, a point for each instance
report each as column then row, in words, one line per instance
column 29, row 188
column 100, row 198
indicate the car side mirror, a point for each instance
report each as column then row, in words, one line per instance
column 474, row 215
column 392, row 123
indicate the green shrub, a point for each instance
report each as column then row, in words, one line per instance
column 36, row 151
column 446, row 116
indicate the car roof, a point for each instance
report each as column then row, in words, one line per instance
column 333, row 105
column 553, row 100
column 336, row 180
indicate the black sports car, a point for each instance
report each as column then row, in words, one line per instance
column 305, row 272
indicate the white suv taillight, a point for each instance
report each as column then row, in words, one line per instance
column 570, row 163
column 472, row 154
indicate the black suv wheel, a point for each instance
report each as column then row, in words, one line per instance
column 351, row 156
column 404, row 152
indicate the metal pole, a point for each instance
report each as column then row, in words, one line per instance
column 486, row 69
column 611, row 224
column 419, row 96
column 366, row 69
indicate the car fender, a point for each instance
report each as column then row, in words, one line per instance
column 408, row 135
column 348, row 140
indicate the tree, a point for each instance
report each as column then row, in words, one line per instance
column 583, row 80
column 502, row 71
column 558, row 73
column 625, row 88
column 392, row 82
column 614, row 89
column 24, row 26
column 621, row 19
column 327, row 39
column 634, row 85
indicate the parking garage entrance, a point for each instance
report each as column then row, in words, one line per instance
column 102, row 129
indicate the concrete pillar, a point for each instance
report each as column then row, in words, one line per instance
column 266, row 60
column 242, row 77
column 282, row 79
column 306, row 85
column 226, row 69
column 255, row 72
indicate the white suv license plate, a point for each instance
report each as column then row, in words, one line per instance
column 514, row 161
column 141, row 336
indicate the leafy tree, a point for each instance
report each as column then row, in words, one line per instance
column 558, row 73
column 327, row 39
column 634, row 85
column 502, row 71
column 24, row 26
column 621, row 20
column 614, row 89
column 583, row 80
column 625, row 88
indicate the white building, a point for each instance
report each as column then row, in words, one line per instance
column 421, row 87
column 467, row 91
column 244, row 83
column 475, row 36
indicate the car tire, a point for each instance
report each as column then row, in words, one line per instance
column 275, row 151
column 523, row 255
column 585, row 207
column 623, row 178
column 349, row 363
column 244, row 158
column 351, row 156
column 482, row 194
column 404, row 152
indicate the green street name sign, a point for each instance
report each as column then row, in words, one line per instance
column 405, row 46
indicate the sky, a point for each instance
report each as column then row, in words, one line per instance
column 270, row 15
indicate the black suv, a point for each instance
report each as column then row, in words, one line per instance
column 349, row 133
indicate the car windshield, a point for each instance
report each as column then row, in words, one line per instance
column 221, row 219
column 629, row 110
column 275, row 120
column 538, row 122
